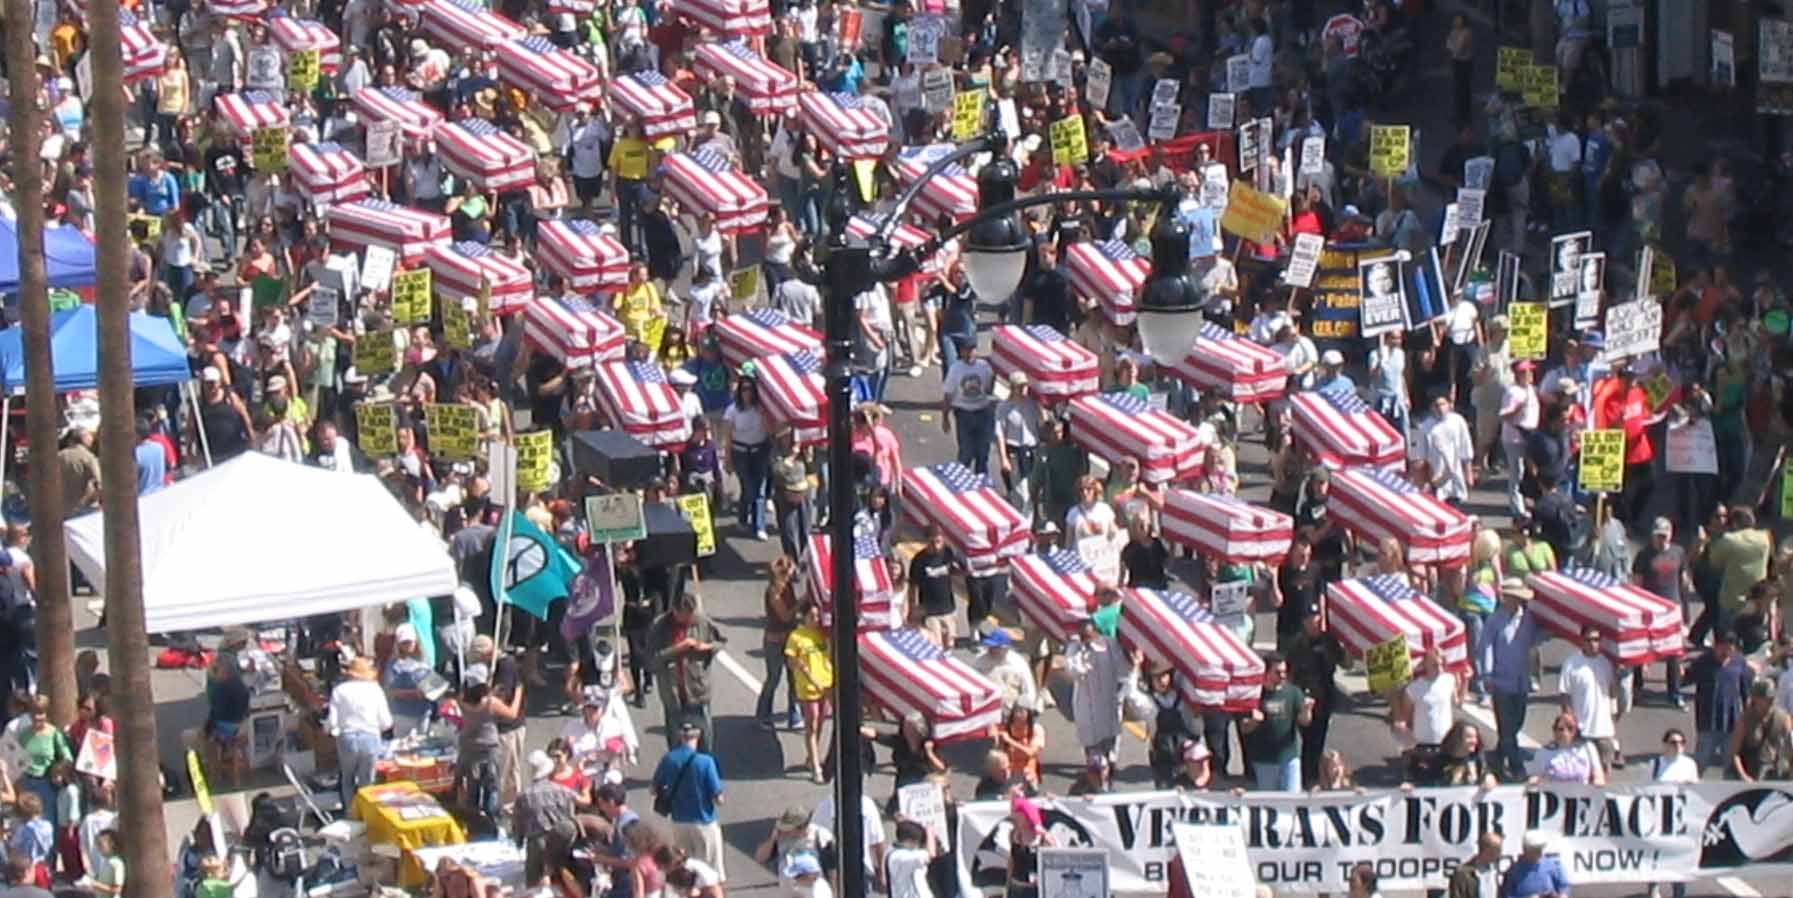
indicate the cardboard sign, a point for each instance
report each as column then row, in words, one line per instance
column 1389, row 665
column 968, row 114
column 1070, row 146
column 1530, row 336
column 925, row 804
column 322, row 306
column 202, row 791
column 411, row 296
column 1215, row 186
column 454, row 430
column 1384, row 305
column 145, row 228
column 1229, row 599
column 1163, row 125
column 1633, row 328
column 1220, row 111
column 1126, row 135
column 1478, row 173
column 457, row 323
column 1073, row 873
column 1313, row 156
column 1510, row 65
column 849, row 24
column 261, row 70
column 1252, row 214
column 1238, row 74
column 302, row 71
column 383, row 144
column 1724, row 59
column 936, row 90
column 376, row 268
column 1540, row 86
column 1471, row 205
column 615, row 518
column 744, row 283
column 268, row 148
column 1303, row 260
column 695, row 507
column 1692, row 448
column 1249, row 140
column 1098, row 78
column 98, row 757
column 535, row 457
column 1602, row 460
column 1389, row 150
column 376, row 353
column 376, row 425
column 1215, row 860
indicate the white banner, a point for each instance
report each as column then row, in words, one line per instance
column 1308, row 843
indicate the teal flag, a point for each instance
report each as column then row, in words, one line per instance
column 534, row 571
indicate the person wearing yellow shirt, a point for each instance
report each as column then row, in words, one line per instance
column 631, row 160
column 638, row 304
column 812, row 675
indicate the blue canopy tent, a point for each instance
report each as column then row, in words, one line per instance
column 68, row 257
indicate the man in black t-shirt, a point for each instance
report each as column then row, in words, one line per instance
column 505, row 701
column 1144, row 557
column 1297, row 587
column 931, row 586
column 1313, row 520
column 1047, row 293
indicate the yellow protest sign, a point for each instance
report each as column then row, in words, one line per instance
column 268, row 148
column 377, row 426
column 696, row 509
column 1390, row 148
column 376, row 353
column 864, row 177
column 1388, row 665
column 1602, row 460
column 968, row 114
column 1251, row 213
column 1509, row 74
column 202, row 791
column 1787, row 488
column 1663, row 278
column 457, row 325
column 1070, row 145
column 302, row 71
column 1529, row 337
column 1540, row 86
column 744, row 283
column 411, row 296
column 146, row 228
column 653, row 333
column 535, row 451
column 454, row 430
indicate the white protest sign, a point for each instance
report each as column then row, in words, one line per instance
column 1724, row 59
column 1633, row 328
column 1220, row 111
column 1103, row 555
column 84, row 78
column 1164, row 121
column 1692, row 449
column 376, row 268
column 924, row 41
column 1304, row 260
column 1164, row 92
column 1238, row 74
column 1471, row 206
column 1098, row 77
column 264, row 70
column 1313, row 156
column 937, row 90
column 1478, row 173
column 1073, row 873
column 383, row 147
column 321, row 306
column 925, row 804
column 1229, row 599
column 98, row 757
column 615, row 518
column 1062, row 67
column 1215, row 184
column 1215, row 862
column 1250, row 144
column 1126, row 135
column 1009, row 118
column 1453, row 225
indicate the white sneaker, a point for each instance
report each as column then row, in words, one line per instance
column 760, row 535
column 914, row 370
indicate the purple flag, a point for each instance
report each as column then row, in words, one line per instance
column 592, row 597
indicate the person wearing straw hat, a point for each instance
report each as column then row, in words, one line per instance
column 357, row 717
column 1505, row 652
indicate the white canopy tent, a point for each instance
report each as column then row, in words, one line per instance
column 258, row 539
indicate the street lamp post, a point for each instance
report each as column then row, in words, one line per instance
column 995, row 256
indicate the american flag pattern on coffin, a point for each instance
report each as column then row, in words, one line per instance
column 293, row 34
column 1117, row 426
column 555, row 78
column 1215, row 670
column 457, row 269
column 1637, row 626
column 904, row 671
column 237, row 9
column 1226, row 528
column 251, row 110
column 880, row 607
column 846, row 125
column 327, row 172
column 1369, row 611
column 795, row 394
column 406, row 231
column 974, row 516
column 704, row 181
column 1377, row 504
column 953, row 192
column 144, row 55
column 1057, row 367
column 1108, row 273
column 573, row 331
column 638, row 399
column 466, row 26
column 1054, row 591
column 759, row 332
column 1342, row 429
column 476, row 150
column 767, row 88
column 728, row 17
column 661, row 107
column 417, row 120
column 1236, row 368
column 579, row 250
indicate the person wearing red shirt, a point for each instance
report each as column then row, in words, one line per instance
column 1620, row 402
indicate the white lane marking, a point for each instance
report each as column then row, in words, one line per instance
column 1738, row 887
column 735, row 669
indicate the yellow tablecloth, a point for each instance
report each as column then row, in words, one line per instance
column 402, row 814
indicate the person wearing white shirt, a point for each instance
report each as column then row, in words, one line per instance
column 1300, row 355
column 1519, row 409
column 1008, row 669
column 358, row 717
column 871, row 821
column 1589, row 685
column 1449, row 450
column 1262, row 54
column 1267, row 323
column 1676, row 766
column 587, row 135
column 906, row 865
column 1422, row 711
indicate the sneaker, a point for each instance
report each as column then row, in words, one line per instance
column 914, row 370
column 1677, row 700
column 760, row 535
column 815, row 776
column 795, row 722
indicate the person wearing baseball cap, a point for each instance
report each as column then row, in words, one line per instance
column 1333, row 380
column 1535, row 873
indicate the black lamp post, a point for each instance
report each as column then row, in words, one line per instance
column 995, row 256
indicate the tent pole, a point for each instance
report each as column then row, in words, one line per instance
column 205, row 444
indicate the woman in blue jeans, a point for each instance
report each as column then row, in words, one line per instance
column 747, row 434
column 359, row 716
column 781, row 619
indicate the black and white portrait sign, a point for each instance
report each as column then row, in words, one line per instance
column 1384, row 298
column 1590, row 286
column 1565, row 266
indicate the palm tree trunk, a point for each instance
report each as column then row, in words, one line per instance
column 55, row 617
column 145, row 844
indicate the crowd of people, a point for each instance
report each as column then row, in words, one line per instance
column 231, row 254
